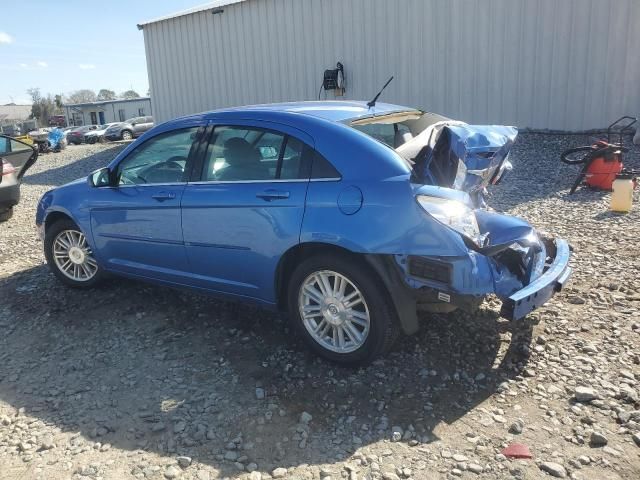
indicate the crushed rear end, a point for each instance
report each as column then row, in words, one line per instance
column 453, row 165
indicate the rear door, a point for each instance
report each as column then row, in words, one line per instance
column 244, row 207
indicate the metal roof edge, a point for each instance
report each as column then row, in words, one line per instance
column 102, row 102
column 190, row 11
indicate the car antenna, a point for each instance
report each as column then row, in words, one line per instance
column 372, row 103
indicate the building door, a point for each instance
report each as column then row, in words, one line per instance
column 94, row 118
column 101, row 116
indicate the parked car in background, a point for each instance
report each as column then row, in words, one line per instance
column 76, row 135
column 349, row 217
column 16, row 157
column 12, row 130
column 57, row 121
column 97, row 135
column 134, row 127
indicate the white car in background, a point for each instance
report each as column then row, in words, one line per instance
column 97, row 135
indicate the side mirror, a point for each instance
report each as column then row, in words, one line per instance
column 100, row 178
column 133, row 124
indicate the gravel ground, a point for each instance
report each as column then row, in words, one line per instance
column 138, row 381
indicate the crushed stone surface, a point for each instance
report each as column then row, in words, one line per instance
column 134, row 381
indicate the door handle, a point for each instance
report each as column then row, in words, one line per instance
column 162, row 196
column 270, row 195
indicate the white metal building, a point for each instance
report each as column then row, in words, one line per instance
column 107, row 111
column 569, row 65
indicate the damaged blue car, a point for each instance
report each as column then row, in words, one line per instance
column 349, row 216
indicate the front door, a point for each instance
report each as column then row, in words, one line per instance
column 94, row 118
column 101, row 117
column 245, row 208
column 136, row 222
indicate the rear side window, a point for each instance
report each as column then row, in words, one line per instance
column 237, row 154
column 321, row 168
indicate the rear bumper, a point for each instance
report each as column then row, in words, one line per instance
column 538, row 292
column 462, row 282
column 444, row 284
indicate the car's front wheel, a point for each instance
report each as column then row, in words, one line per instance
column 341, row 310
column 127, row 135
column 69, row 255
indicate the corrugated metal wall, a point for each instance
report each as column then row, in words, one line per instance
column 569, row 64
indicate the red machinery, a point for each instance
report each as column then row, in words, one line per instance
column 603, row 160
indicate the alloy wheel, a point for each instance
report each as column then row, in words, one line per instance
column 73, row 257
column 334, row 311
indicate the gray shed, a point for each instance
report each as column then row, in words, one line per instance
column 107, row 111
column 568, row 65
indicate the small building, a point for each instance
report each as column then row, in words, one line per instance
column 544, row 64
column 14, row 119
column 107, row 111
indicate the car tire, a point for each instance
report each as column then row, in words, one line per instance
column 75, row 267
column 377, row 326
column 126, row 135
column 5, row 215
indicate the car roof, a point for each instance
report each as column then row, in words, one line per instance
column 335, row 111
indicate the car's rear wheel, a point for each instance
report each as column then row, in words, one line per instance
column 341, row 310
column 6, row 214
column 127, row 135
column 69, row 255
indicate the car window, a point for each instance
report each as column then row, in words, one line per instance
column 321, row 168
column 161, row 159
column 384, row 132
column 294, row 160
column 246, row 154
column 9, row 145
column 18, row 146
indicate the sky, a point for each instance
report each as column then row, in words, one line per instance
column 65, row 45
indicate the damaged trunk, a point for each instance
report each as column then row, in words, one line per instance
column 463, row 157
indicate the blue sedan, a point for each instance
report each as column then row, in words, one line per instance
column 350, row 217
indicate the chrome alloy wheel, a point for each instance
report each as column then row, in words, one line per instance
column 334, row 311
column 73, row 256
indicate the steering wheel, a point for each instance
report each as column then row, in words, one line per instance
column 172, row 164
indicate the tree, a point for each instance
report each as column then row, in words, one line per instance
column 42, row 107
column 82, row 96
column 106, row 94
column 129, row 94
